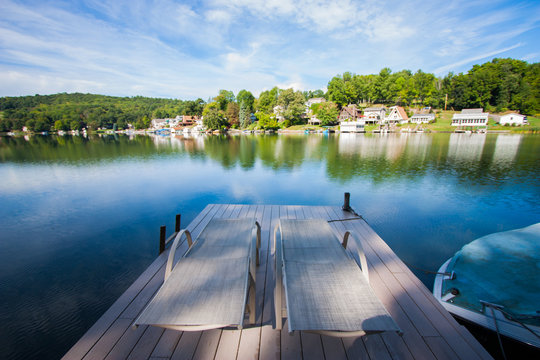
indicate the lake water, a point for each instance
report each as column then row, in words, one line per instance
column 80, row 218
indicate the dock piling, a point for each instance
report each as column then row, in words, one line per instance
column 162, row 234
column 346, row 202
column 163, row 240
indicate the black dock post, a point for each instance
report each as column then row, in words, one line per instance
column 346, row 202
column 162, row 232
column 177, row 225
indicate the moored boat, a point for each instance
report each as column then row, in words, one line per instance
column 494, row 282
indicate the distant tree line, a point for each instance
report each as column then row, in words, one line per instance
column 75, row 111
column 495, row 86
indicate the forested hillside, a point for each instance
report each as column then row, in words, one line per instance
column 74, row 111
column 495, row 86
column 498, row 85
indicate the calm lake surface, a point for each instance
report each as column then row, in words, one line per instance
column 80, row 217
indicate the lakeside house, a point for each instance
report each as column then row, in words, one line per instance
column 374, row 115
column 510, row 118
column 351, row 119
column 313, row 101
column 470, row 117
column 159, row 123
column 188, row 120
column 278, row 111
column 397, row 115
column 167, row 122
column 312, row 118
column 350, row 113
column 422, row 118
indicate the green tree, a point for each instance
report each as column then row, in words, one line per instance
column 267, row 101
column 213, row 117
column 246, row 97
column 327, row 113
column 58, row 125
column 232, row 114
column 267, row 121
column 293, row 105
column 224, row 97
column 244, row 115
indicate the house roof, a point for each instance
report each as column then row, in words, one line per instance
column 351, row 110
column 513, row 114
column 472, row 111
column 423, row 115
column 402, row 112
column 375, row 109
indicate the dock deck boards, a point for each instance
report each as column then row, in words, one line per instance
column 429, row 331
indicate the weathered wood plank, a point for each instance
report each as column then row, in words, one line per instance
column 185, row 349
column 376, row 348
column 311, row 346
column 104, row 345
column 207, row 346
column 166, row 344
column 291, row 347
column 127, row 342
column 355, row 348
column 228, row 345
column 396, row 346
column 147, row 343
column 333, row 348
column 444, row 352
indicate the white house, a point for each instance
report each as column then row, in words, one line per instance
column 470, row 117
column 159, row 123
column 513, row 119
column 374, row 114
column 422, row 118
column 314, row 120
column 278, row 111
column 397, row 115
column 314, row 101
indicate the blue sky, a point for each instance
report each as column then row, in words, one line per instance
column 190, row 49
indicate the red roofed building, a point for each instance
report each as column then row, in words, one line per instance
column 397, row 115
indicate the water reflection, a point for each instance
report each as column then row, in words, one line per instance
column 466, row 148
column 506, row 149
column 345, row 156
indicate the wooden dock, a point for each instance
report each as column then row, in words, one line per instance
column 429, row 331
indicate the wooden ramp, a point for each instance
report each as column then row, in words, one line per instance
column 429, row 331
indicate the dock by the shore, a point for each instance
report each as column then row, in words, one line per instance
column 429, row 331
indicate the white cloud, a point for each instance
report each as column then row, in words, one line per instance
column 446, row 68
column 178, row 49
